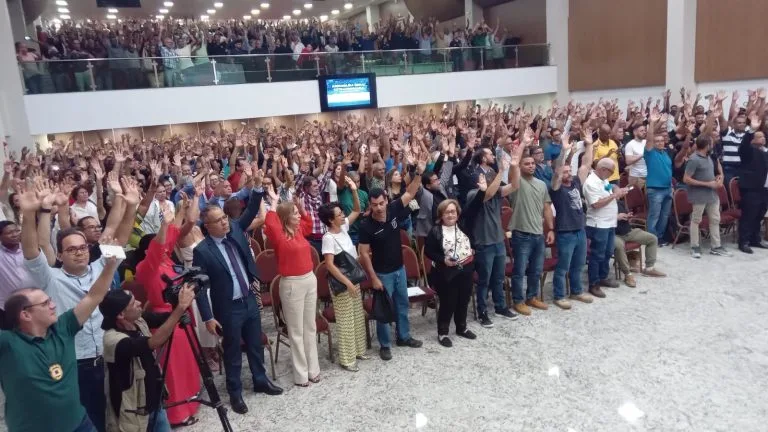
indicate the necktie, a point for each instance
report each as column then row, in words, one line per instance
column 230, row 248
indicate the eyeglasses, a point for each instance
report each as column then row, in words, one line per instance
column 219, row 220
column 44, row 304
column 74, row 250
column 92, row 227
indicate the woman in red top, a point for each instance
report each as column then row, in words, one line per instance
column 183, row 376
column 286, row 227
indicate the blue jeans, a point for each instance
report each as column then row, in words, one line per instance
column 528, row 251
column 397, row 288
column 600, row 252
column 160, row 418
column 90, row 378
column 243, row 324
column 571, row 257
column 659, row 204
column 489, row 265
column 85, row 425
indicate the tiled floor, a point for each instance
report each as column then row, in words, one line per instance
column 685, row 353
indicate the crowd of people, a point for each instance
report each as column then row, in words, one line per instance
column 162, row 53
column 471, row 186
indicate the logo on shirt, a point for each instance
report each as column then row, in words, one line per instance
column 394, row 223
column 57, row 373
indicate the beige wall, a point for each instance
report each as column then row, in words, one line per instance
column 391, row 8
column 526, row 19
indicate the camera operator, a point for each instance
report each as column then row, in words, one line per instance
column 133, row 376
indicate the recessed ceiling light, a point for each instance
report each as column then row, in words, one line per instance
column 163, row 11
column 211, row 11
column 218, row 5
column 297, row 12
column 323, row 18
column 307, row 5
column 203, row 17
column 265, row 5
column 246, row 17
column 61, row 3
column 348, row 5
column 63, row 10
column 335, row 12
column 168, row 4
column 286, row 17
column 112, row 10
column 111, row 16
column 64, row 16
column 160, row 17
column 255, row 11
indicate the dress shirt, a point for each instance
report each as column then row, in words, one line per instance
column 236, row 291
column 13, row 275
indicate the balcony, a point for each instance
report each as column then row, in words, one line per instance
column 153, row 91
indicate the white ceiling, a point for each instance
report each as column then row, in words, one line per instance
column 82, row 9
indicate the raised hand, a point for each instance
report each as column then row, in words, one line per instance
column 199, row 189
column 655, row 115
column 131, row 193
column 754, row 121
column 351, row 183
column 113, row 182
column 44, row 192
column 28, row 199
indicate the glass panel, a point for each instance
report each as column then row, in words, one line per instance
column 84, row 74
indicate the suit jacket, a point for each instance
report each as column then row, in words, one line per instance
column 207, row 256
column 754, row 164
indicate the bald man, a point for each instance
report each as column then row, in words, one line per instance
column 602, row 212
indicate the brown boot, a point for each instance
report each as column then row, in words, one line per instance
column 596, row 291
column 608, row 283
column 536, row 303
column 522, row 309
column 629, row 280
column 584, row 298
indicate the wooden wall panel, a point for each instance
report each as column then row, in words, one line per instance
column 729, row 35
column 616, row 44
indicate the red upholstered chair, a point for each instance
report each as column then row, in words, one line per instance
column 683, row 209
column 635, row 203
column 729, row 216
column 629, row 246
column 733, row 188
column 315, row 257
column 266, row 266
column 404, row 239
column 413, row 272
column 549, row 265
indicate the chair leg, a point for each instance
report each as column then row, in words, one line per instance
column 271, row 360
column 542, row 281
column 277, row 346
column 508, row 291
column 474, row 303
column 367, row 333
column 330, row 345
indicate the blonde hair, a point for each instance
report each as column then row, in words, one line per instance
column 444, row 206
column 284, row 212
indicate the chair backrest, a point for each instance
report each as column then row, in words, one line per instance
column 682, row 207
column 315, row 257
column 411, row 263
column 323, row 290
column 258, row 235
column 722, row 194
column 635, row 201
column 427, row 262
column 267, row 244
column 274, row 290
column 404, row 239
column 553, row 246
column 506, row 217
column 255, row 247
column 733, row 187
column 266, row 265
column 623, row 179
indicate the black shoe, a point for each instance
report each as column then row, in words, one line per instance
column 444, row 341
column 413, row 343
column 745, row 248
column 467, row 334
column 759, row 245
column 506, row 313
column 663, row 243
column 238, row 405
column 267, row 388
column 385, row 354
column 485, row 321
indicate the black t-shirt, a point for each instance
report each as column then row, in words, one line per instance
column 568, row 206
column 136, row 345
column 622, row 227
column 384, row 237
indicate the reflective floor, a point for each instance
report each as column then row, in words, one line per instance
column 685, row 353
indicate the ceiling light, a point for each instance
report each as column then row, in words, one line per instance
column 203, row 17
column 63, row 10
column 160, row 17
column 297, row 12
column 56, row 21
column 348, row 5
column 286, row 17
column 246, row 17
column 265, row 5
column 211, row 11
column 218, row 5
column 307, row 5
column 163, row 11
column 112, row 10
column 323, row 18
column 335, row 12
column 111, row 16
column 255, row 11
column 64, row 16
column 61, row 3
column 168, row 4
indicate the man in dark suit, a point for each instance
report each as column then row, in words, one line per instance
column 225, row 256
column 752, row 182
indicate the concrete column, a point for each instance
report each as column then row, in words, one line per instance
column 681, row 44
column 557, row 38
column 16, row 16
column 372, row 15
column 469, row 12
column 14, row 127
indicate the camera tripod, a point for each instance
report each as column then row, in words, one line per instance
column 205, row 372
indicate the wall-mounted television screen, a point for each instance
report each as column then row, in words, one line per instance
column 347, row 92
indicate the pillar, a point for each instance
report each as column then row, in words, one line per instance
column 372, row 15
column 681, row 44
column 557, row 38
column 18, row 23
column 14, row 126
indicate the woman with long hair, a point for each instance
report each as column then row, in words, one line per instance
column 348, row 305
column 447, row 246
column 286, row 227
column 183, row 375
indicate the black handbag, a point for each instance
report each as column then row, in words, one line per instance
column 349, row 267
column 382, row 309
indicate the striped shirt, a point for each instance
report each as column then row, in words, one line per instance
column 731, row 141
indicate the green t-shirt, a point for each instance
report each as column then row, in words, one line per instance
column 39, row 378
column 345, row 199
column 528, row 203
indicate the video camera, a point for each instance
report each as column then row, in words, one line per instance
column 192, row 275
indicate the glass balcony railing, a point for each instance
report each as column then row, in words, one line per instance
column 60, row 76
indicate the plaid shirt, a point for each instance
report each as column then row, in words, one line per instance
column 312, row 203
column 170, row 58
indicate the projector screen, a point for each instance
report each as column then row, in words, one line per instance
column 347, row 92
